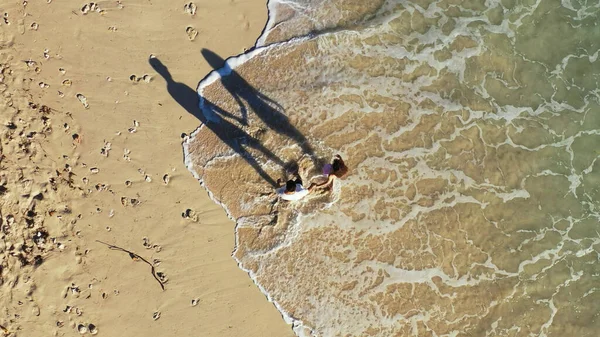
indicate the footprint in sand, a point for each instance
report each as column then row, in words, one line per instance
column 190, row 214
column 157, row 248
column 162, row 277
column 244, row 21
column 82, row 329
column 146, row 78
column 88, row 8
column 126, row 154
column 146, row 243
column 190, row 8
column 191, row 33
column 85, row 328
column 83, row 100
column 92, row 329
column 105, row 149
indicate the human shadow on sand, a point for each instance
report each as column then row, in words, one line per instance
column 246, row 96
column 236, row 138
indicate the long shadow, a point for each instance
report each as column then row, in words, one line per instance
column 229, row 133
column 269, row 111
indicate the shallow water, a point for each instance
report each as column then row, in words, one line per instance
column 472, row 133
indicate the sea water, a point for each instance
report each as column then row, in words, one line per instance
column 472, row 133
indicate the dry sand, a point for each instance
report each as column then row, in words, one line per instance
column 64, row 167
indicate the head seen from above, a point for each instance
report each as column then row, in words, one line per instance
column 336, row 165
column 290, row 186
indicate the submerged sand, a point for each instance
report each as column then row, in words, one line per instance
column 471, row 205
column 89, row 137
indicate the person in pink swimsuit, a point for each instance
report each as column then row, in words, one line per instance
column 337, row 169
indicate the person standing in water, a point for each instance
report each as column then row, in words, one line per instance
column 293, row 189
column 337, row 169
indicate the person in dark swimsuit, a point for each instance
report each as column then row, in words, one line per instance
column 293, row 189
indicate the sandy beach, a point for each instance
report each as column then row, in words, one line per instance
column 91, row 155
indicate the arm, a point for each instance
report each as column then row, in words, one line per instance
column 329, row 181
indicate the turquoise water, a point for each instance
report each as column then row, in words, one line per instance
column 472, row 133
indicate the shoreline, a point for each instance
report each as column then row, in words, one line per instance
column 173, row 225
column 231, row 63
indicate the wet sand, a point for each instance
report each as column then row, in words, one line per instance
column 91, row 150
